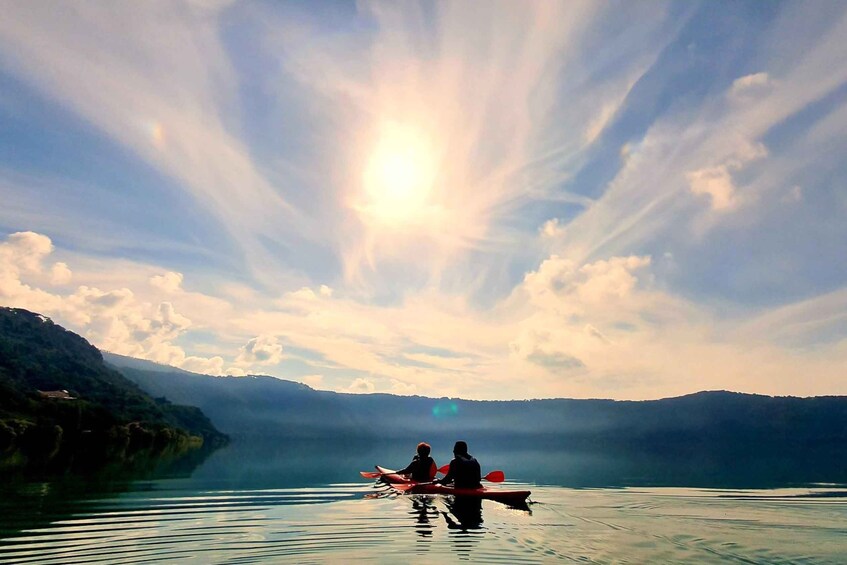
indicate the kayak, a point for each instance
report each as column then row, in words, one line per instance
column 392, row 478
column 513, row 497
column 407, row 485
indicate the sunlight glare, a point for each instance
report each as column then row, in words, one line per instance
column 399, row 176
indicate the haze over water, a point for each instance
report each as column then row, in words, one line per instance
column 270, row 506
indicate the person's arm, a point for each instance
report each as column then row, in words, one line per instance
column 449, row 477
column 409, row 468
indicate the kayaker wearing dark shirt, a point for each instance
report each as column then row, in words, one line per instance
column 422, row 468
column 464, row 469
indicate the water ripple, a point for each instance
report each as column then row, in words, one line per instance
column 343, row 523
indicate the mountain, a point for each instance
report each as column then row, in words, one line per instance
column 56, row 394
column 719, row 421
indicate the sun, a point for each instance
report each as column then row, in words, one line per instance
column 399, row 176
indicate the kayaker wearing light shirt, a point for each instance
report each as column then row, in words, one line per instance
column 464, row 469
column 422, row 468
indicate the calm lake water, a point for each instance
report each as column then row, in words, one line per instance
column 240, row 507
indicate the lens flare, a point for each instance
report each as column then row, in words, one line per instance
column 445, row 410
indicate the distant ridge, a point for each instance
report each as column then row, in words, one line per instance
column 262, row 406
column 117, row 360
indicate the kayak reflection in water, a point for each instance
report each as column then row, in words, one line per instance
column 467, row 512
column 422, row 468
column 464, row 469
column 423, row 509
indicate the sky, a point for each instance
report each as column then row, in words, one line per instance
column 491, row 200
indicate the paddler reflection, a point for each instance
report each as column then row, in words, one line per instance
column 465, row 513
column 423, row 509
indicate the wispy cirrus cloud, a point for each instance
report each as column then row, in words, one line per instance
column 606, row 199
column 164, row 88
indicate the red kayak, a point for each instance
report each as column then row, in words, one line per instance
column 392, row 478
column 513, row 497
column 404, row 484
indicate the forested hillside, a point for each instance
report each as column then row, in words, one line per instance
column 58, row 397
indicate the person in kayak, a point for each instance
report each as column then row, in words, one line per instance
column 422, row 468
column 464, row 469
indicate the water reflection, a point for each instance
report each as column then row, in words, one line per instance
column 276, row 499
column 423, row 509
column 466, row 513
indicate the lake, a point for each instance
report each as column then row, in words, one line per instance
column 250, row 503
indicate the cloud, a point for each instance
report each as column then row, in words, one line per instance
column 716, row 183
column 401, row 388
column 361, row 386
column 575, row 329
column 571, row 111
column 304, row 293
column 24, row 251
column 202, row 365
column 60, row 274
column 551, row 228
column 561, row 283
column 114, row 320
column 493, row 153
column 751, row 85
column 537, row 347
column 165, row 100
column 169, row 282
column 261, row 350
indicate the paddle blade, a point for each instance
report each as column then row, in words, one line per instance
column 444, row 470
column 370, row 474
column 495, row 477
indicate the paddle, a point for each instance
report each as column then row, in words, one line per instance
column 492, row 477
column 495, row 477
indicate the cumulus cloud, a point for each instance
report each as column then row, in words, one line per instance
column 361, row 386
column 169, row 282
column 115, row 320
column 60, row 274
column 261, row 350
column 716, row 182
column 26, row 250
column 401, row 388
column 206, row 366
column 592, row 283
column 551, row 228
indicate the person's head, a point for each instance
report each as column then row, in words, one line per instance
column 461, row 448
column 424, row 449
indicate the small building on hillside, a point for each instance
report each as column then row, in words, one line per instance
column 56, row 394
